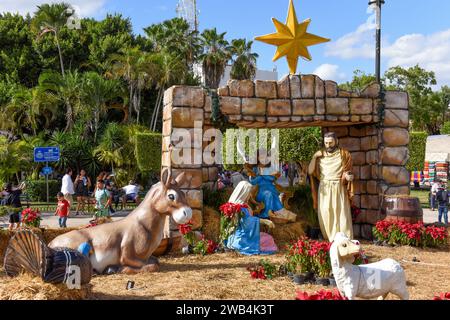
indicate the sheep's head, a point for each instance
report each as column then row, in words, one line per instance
column 343, row 249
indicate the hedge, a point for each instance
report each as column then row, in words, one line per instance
column 446, row 128
column 37, row 190
column 148, row 151
column 417, row 148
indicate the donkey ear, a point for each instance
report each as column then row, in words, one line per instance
column 166, row 177
column 180, row 179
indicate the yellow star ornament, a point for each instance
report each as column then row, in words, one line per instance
column 292, row 39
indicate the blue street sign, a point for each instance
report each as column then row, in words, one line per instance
column 46, row 154
column 47, row 170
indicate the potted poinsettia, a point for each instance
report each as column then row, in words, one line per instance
column 31, row 218
column 231, row 214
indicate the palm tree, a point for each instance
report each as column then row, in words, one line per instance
column 244, row 60
column 138, row 70
column 66, row 89
column 97, row 93
column 51, row 18
column 29, row 108
column 111, row 146
column 215, row 56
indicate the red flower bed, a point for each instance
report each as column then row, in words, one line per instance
column 412, row 234
column 320, row 295
column 443, row 296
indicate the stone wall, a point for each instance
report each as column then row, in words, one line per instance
column 372, row 127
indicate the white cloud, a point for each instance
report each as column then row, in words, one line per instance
column 329, row 72
column 431, row 52
column 83, row 8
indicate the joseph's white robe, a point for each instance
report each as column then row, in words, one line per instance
column 333, row 202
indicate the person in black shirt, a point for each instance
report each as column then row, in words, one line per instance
column 442, row 199
column 12, row 200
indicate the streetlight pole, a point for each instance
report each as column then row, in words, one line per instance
column 377, row 7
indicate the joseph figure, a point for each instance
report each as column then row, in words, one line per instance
column 332, row 188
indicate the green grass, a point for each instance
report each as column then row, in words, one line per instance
column 423, row 197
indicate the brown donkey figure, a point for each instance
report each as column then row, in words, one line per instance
column 130, row 242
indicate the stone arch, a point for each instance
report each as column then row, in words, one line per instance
column 371, row 124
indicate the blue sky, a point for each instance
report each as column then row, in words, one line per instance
column 413, row 31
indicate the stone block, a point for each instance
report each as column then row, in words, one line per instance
column 279, row 108
column 319, row 118
column 402, row 190
column 308, row 118
column 303, row 107
column 355, row 119
column 395, row 175
column 296, row 90
column 372, row 157
column 366, row 232
column 370, row 202
column 359, row 187
column 254, row 106
column 396, row 118
column 344, row 94
column 186, row 157
column 213, row 173
column 320, row 106
column 356, row 172
column 241, row 88
column 235, row 118
column 337, row 106
column 366, row 172
column 356, row 231
column 167, row 112
column 359, row 158
column 184, row 96
column 373, row 216
column 308, row 83
column 296, row 119
column 230, row 105
column 366, row 143
column 340, row 132
column 205, row 174
column 357, row 131
column 395, row 156
column 367, row 118
column 356, row 200
column 272, row 119
column 375, row 171
column 284, row 91
column 167, row 128
column 344, row 118
column 223, row 91
column 331, row 90
column 372, row 187
column 360, row 106
column 266, row 89
column 372, row 130
column 194, row 198
column 396, row 100
column 332, row 118
column 371, row 91
column 186, row 117
column 395, row 137
column 351, row 144
column 320, row 88
column 193, row 179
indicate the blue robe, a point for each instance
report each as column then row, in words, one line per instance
column 246, row 238
column 268, row 194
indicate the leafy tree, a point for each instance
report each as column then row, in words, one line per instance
column 359, row 82
column 244, row 60
column 425, row 106
column 446, row 128
column 111, row 146
column 215, row 56
column 417, row 148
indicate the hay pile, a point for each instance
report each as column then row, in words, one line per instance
column 211, row 223
column 27, row 287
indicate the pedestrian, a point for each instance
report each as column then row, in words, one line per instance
column 131, row 193
column 67, row 187
column 113, row 194
column 434, row 190
column 12, row 200
column 62, row 210
column 442, row 200
column 103, row 200
column 82, row 185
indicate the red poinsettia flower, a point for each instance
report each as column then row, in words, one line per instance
column 185, row 228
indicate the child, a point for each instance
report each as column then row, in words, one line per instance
column 62, row 210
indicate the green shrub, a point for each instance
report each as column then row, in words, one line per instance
column 148, row 151
column 446, row 128
column 37, row 190
column 214, row 198
column 417, row 148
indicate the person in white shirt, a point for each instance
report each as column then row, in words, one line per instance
column 434, row 190
column 67, row 186
column 131, row 193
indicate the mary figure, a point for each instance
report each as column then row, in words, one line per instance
column 247, row 239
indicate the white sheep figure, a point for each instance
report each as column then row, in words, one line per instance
column 374, row 280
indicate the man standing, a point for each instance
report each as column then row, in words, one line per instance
column 67, row 187
column 332, row 188
column 434, row 190
column 442, row 200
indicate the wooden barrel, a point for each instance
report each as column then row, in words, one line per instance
column 169, row 245
column 402, row 208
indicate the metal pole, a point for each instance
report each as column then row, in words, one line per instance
column 378, row 3
column 46, row 182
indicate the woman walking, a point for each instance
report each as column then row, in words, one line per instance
column 82, row 185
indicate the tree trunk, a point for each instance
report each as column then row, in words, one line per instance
column 69, row 117
column 60, row 55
